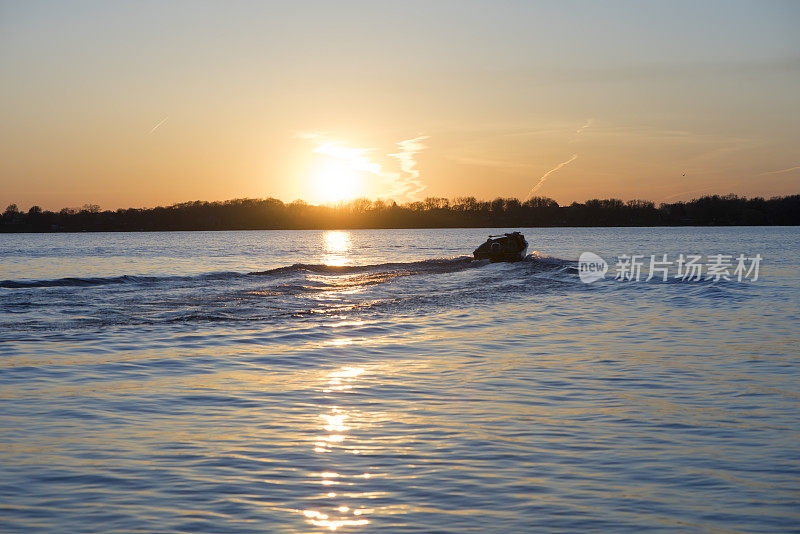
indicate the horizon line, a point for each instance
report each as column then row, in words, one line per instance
column 391, row 202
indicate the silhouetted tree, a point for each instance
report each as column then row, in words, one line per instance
column 270, row 213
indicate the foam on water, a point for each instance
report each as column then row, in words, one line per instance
column 282, row 293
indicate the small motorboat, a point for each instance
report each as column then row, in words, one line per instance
column 506, row 247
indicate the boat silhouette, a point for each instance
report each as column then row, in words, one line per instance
column 504, row 247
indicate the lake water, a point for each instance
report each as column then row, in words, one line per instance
column 381, row 380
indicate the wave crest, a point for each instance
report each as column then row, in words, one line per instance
column 440, row 265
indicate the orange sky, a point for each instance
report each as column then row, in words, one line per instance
column 147, row 103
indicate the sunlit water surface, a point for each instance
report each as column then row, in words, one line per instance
column 362, row 381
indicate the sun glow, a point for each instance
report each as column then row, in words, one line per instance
column 344, row 172
column 336, row 180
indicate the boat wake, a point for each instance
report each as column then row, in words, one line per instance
column 432, row 266
column 307, row 292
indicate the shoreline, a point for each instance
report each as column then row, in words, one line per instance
column 356, row 228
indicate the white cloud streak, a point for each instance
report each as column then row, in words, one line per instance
column 551, row 171
column 790, row 169
column 408, row 184
column 154, row 128
column 404, row 184
column 686, row 193
column 580, row 130
column 585, row 125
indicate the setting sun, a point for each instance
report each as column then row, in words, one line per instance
column 333, row 181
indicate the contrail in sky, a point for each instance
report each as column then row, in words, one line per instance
column 580, row 130
column 586, row 125
column 790, row 169
column 159, row 124
column 686, row 193
column 551, row 171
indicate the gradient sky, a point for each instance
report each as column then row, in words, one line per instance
column 146, row 103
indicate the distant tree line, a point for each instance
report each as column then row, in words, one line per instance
column 433, row 212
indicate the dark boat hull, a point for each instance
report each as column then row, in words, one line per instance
column 502, row 256
column 506, row 247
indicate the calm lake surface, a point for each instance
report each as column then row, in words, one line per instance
column 381, row 380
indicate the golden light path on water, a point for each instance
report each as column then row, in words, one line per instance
column 335, row 420
column 336, row 243
column 334, row 423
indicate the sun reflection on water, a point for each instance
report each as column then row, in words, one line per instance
column 341, row 341
column 336, row 424
column 342, row 380
column 337, row 245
